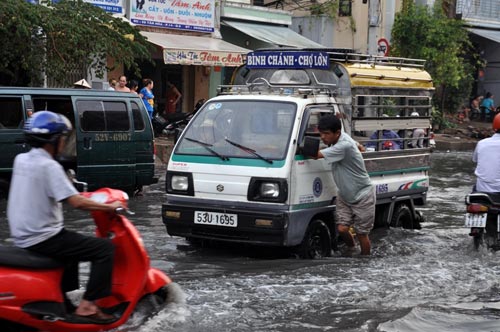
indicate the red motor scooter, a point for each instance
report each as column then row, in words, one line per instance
column 31, row 298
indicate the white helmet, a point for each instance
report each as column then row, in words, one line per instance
column 414, row 114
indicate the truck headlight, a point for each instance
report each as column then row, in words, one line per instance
column 267, row 190
column 180, row 183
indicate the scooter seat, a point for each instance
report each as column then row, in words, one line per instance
column 22, row 258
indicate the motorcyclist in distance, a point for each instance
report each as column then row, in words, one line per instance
column 39, row 185
column 487, row 157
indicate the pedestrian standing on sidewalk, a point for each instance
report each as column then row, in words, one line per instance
column 173, row 96
column 355, row 193
column 122, row 84
column 487, row 107
column 134, row 86
column 148, row 96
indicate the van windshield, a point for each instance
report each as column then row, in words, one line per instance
column 240, row 129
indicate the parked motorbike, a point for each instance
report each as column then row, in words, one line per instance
column 483, row 219
column 175, row 123
column 30, row 284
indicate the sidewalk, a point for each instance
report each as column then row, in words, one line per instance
column 164, row 148
column 463, row 137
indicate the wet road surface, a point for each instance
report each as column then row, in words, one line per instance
column 416, row 280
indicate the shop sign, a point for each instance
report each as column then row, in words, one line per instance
column 205, row 58
column 111, row 6
column 192, row 15
column 288, row 59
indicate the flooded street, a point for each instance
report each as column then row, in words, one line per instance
column 416, row 280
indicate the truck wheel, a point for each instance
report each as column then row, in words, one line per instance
column 403, row 217
column 317, row 242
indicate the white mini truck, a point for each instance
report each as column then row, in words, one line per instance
column 238, row 173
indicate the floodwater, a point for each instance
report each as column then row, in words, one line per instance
column 416, row 280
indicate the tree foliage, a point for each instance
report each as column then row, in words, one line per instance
column 53, row 38
column 427, row 33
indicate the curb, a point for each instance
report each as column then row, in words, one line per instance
column 451, row 143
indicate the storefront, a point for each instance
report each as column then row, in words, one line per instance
column 186, row 52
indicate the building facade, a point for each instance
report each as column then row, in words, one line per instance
column 482, row 19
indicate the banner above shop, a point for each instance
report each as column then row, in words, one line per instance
column 192, row 15
column 203, row 58
column 193, row 50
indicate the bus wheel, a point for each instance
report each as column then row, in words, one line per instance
column 403, row 217
column 317, row 242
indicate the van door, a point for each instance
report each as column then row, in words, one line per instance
column 106, row 153
column 142, row 137
column 12, row 140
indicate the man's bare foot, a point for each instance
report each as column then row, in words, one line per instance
column 91, row 312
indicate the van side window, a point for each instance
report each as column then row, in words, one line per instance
column 116, row 116
column 58, row 104
column 11, row 113
column 103, row 115
column 138, row 119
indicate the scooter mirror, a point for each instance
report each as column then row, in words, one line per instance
column 80, row 185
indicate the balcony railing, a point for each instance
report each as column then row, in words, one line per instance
column 478, row 10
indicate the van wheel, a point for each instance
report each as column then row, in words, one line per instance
column 317, row 242
column 403, row 217
column 4, row 188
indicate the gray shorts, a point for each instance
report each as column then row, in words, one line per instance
column 360, row 215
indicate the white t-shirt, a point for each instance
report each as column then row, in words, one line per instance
column 38, row 185
column 487, row 157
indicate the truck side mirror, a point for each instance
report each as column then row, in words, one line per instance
column 311, row 146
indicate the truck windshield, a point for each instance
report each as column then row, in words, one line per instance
column 261, row 127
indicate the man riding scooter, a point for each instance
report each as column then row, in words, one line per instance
column 39, row 185
column 487, row 156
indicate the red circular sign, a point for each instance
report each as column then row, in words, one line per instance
column 383, row 47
